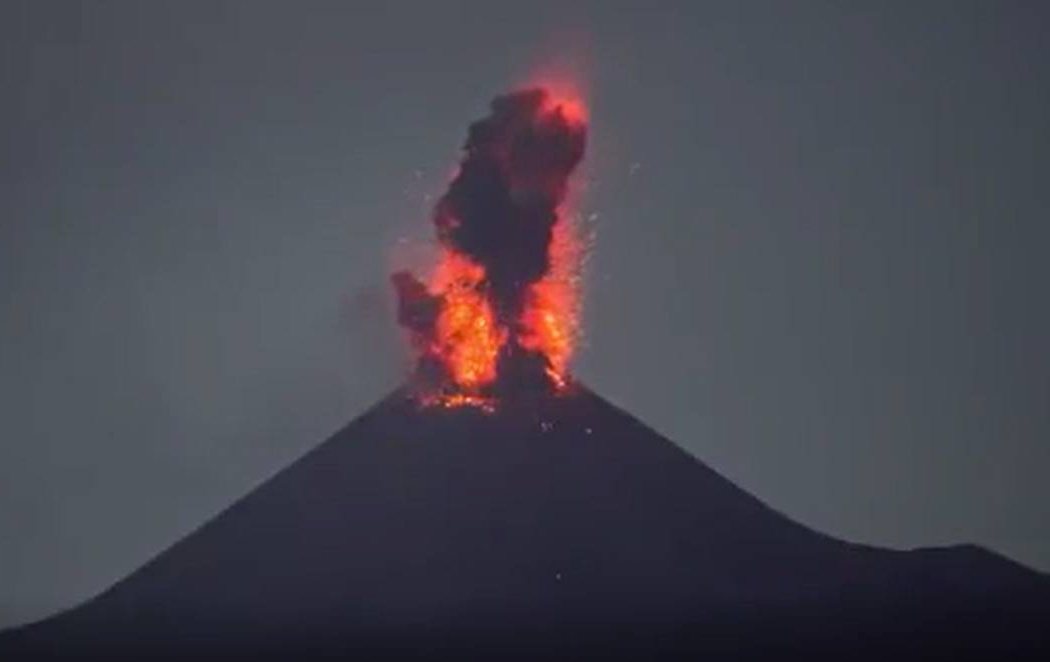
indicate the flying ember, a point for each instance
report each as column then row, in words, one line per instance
column 499, row 314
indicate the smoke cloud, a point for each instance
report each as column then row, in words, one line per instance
column 499, row 213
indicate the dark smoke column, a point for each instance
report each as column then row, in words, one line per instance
column 499, row 214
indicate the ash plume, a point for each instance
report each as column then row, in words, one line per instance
column 503, row 203
column 499, row 214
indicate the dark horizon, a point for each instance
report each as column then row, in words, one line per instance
column 820, row 260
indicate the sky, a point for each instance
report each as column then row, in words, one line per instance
column 819, row 263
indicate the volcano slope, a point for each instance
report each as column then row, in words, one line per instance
column 552, row 527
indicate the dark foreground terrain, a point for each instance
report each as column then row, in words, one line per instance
column 559, row 526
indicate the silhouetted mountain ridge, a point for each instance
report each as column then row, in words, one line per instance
column 553, row 526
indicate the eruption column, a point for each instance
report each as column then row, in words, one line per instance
column 500, row 312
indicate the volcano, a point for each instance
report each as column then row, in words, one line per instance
column 495, row 507
column 554, row 526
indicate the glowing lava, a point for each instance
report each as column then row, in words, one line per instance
column 466, row 337
column 500, row 313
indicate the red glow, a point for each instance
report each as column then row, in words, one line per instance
column 569, row 107
column 565, row 88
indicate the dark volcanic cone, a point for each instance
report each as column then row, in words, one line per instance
column 561, row 526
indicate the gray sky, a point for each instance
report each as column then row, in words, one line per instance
column 820, row 263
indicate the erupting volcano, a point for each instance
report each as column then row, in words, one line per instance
column 493, row 509
column 499, row 315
